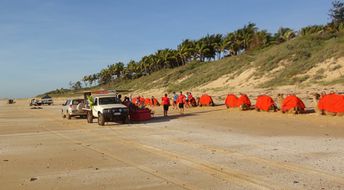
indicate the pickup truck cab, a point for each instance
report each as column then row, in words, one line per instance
column 107, row 108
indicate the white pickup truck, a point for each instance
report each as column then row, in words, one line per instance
column 106, row 108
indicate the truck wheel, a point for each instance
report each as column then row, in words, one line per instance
column 125, row 120
column 101, row 120
column 89, row 117
column 63, row 115
column 69, row 116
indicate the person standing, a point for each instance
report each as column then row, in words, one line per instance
column 175, row 98
column 166, row 104
column 187, row 100
column 181, row 102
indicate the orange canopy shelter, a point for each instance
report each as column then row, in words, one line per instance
column 244, row 100
column 142, row 100
column 291, row 102
column 151, row 102
column 138, row 100
column 231, row 101
column 134, row 100
column 148, row 102
column 155, row 102
column 264, row 102
column 206, row 100
column 332, row 103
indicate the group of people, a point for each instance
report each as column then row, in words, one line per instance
column 178, row 101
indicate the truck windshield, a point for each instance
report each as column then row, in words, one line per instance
column 109, row 100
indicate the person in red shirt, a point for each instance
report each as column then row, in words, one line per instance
column 190, row 99
column 142, row 101
column 166, row 104
column 181, row 101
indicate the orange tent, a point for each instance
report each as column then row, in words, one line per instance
column 206, row 100
column 148, row 102
column 332, row 103
column 142, row 100
column 138, row 101
column 231, row 101
column 264, row 102
column 243, row 99
column 291, row 102
column 134, row 100
column 155, row 102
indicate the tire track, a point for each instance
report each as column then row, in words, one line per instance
column 144, row 169
column 276, row 164
column 215, row 170
column 272, row 163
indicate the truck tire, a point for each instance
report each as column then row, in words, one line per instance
column 68, row 116
column 101, row 120
column 89, row 117
column 125, row 120
column 63, row 115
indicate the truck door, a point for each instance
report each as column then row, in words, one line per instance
column 95, row 106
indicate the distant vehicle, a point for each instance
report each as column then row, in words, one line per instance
column 72, row 108
column 47, row 100
column 11, row 101
column 35, row 102
column 106, row 107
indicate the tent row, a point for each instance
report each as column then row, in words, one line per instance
column 328, row 104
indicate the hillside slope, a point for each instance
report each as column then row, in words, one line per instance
column 304, row 61
column 314, row 61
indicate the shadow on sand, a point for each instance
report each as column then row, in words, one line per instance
column 159, row 119
column 162, row 119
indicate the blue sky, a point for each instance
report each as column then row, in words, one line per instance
column 44, row 44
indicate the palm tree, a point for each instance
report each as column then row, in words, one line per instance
column 337, row 12
column 186, row 51
column 314, row 29
column 168, row 58
column 119, row 68
column 105, row 76
column 204, row 49
column 246, row 35
column 284, row 34
column 94, row 78
column 260, row 39
column 216, row 42
column 131, row 70
column 232, row 44
column 147, row 64
column 85, row 80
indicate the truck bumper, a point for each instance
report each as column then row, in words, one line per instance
column 113, row 117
